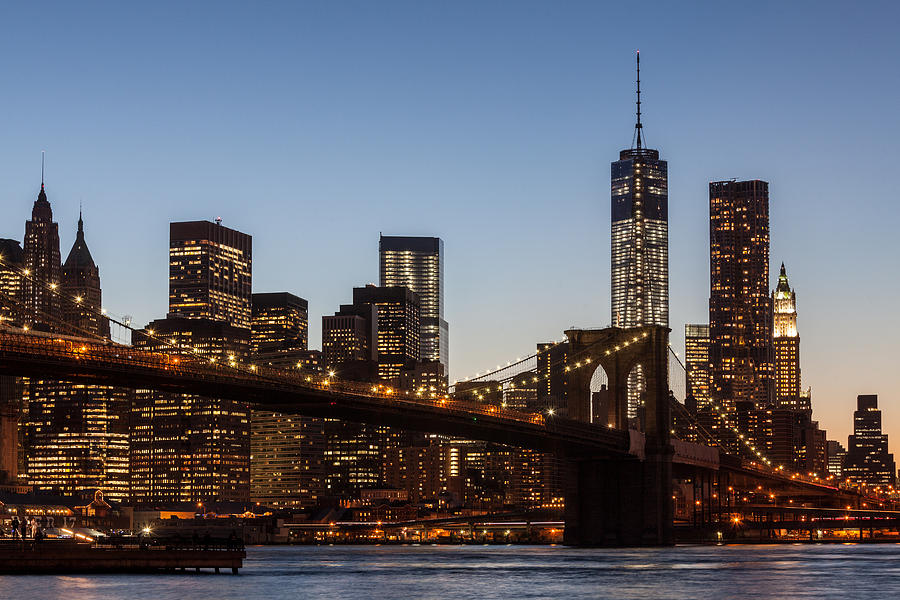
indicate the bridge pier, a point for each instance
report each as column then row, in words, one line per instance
column 620, row 502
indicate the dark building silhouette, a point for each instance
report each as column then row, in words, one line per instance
column 350, row 342
column 42, row 267
column 740, row 308
column 287, row 452
column 12, row 284
column 868, row 460
column 397, row 314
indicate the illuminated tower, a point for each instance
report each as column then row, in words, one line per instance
column 640, row 241
column 740, row 307
column 81, row 282
column 418, row 264
column 787, row 346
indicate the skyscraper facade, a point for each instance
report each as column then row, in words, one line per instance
column 280, row 323
column 210, row 270
column 42, row 267
column 186, row 447
column 786, row 343
column 696, row 364
column 418, row 264
column 286, row 451
column 740, row 308
column 640, row 242
column 12, row 284
column 868, row 459
column 397, row 312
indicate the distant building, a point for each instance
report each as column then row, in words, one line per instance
column 551, row 384
column 787, row 346
column 280, row 323
column 12, row 283
column 696, row 363
column 418, row 264
column 836, row 455
column 42, row 267
column 210, row 270
column 81, row 282
column 740, row 308
column 868, row 459
column 350, row 342
column 397, row 313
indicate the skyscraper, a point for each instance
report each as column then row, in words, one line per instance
column 696, row 363
column 81, row 281
column 418, row 264
column 640, row 242
column 786, row 342
column 76, row 436
column 868, row 459
column 280, row 323
column 186, row 447
column 740, row 308
column 286, row 451
column 12, row 284
column 640, row 233
column 42, row 266
column 397, row 312
column 210, row 270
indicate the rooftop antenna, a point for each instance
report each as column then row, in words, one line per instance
column 42, row 169
column 638, row 128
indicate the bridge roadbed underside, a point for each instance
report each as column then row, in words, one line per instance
column 44, row 558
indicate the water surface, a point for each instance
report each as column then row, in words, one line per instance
column 488, row 572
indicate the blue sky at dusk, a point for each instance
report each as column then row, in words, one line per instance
column 314, row 126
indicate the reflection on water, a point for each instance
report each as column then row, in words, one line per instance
column 486, row 572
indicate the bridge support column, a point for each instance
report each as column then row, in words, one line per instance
column 619, row 502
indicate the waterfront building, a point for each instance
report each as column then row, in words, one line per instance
column 417, row 263
column 280, row 323
column 740, row 308
column 286, row 451
column 184, row 447
column 868, row 460
column 210, row 270
column 640, row 242
column 696, row 364
column 75, row 436
column 786, row 343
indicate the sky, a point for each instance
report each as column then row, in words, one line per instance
column 313, row 126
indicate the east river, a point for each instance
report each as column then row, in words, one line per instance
column 485, row 572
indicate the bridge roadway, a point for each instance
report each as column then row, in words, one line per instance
column 66, row 358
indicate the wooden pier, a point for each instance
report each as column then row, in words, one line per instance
column 63, row 556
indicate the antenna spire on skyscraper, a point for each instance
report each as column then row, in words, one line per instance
column 42, row 169
column 638, row 128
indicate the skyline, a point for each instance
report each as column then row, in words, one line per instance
column 556, row 163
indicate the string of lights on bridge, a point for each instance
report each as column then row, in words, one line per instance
column 193, row 353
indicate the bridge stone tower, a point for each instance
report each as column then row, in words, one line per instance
column 615, row 501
